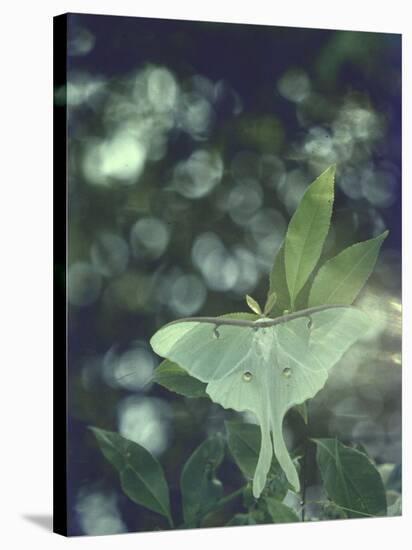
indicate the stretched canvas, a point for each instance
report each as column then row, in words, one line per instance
column 227, row 229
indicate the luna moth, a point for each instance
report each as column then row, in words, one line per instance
column 264, row 366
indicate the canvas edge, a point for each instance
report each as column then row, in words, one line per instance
column 60, row 494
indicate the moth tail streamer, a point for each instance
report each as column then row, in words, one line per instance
column 283, row 457
column 264, row 461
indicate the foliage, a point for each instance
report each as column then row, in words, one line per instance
column 200, row 488
column 352, row 483
column 254, row 306
column 279, row 512
column 141, row 476
column 350, row 479
column 341, row 279
column 174, row 378
column 307, row 232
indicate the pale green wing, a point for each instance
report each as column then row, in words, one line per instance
column 205, row 350
column 334, row 331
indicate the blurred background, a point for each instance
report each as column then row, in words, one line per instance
column 190, row 145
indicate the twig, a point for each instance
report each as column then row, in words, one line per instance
column 222, row 321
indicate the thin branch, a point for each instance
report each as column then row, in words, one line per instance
column 221, row 321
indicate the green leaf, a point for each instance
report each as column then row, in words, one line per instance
column 254, row 306
column 279, row 512
column 278, row 284
column 341, row 278
column 307, row 232
column 361, row 448
column 141, row 476
column 198, row 484
column 270, row 303
column 350, row 479
column 174, row 378
column 244, row 444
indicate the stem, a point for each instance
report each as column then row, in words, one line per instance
column 303, row 502
column 222, row 502
column 304, row 465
